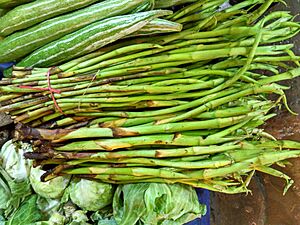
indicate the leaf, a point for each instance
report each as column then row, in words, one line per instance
column 128, row 204
column 27, row 213
column 13, row 161
column 107, row 222
column 48, row 206
column 14, row 170
column 79, row 218
column 156, row 203
column 55, row 219
column 18, row 190
column 104, row 217
column 5, row 194
column 50, row 189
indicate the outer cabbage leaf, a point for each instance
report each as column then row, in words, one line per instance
column 27, row 213
column 14, row 171
column 5, row 194
column 128, row 203
column 50, row 189
column 48, row 206
column 79, row 218
column 104, row 217
column 155, row 203
column 90, row 195
column 55, row 219
column 13, row 161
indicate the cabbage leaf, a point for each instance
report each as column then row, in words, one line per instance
column 156, row 204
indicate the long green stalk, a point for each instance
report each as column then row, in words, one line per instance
column 63, row 135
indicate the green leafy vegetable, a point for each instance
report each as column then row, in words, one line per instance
column 48, row 206
column 5, row 194
column 28, row 213
column 154, row 203
column 91, row 195
column 104, row 217
column 13, row 161
column 55, row 219
column 12, row 192
column 50, row 189
column 79, row 218
column 14, row 170
column 107, row 222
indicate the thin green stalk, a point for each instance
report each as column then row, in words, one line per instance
column 26, row 109
column 198, row 6
column 243, row 4
column 24, row 104
column 63, row 135
column 141, row 89
column 128, row 142
column 135, row 171
column 171, row 110
column 217, row 102
column 99, row 62
column 276, row 173
column 201, row 55
column 260, row 11
column 148, row 153
column 283, row 76
column 33, row 114
column 113, row 54
column 261, row 160
column 222, row 86
column 176, row 164
column 197, row 73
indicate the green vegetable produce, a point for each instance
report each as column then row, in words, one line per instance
column 55, row 219
column 27, row 213
column 24, row 42
column 104, row 217
column 12, row 3
column 30, row 14
column 90, row 38
column 12, row 160
column 178, row 108
column 14, row 170
column 78, row 218
column 157, row 26
column 5, row 195
column 153, row 203
column 48, row 206
column 160, row 4
column 134, row 131
column 144, row 6
column 3, row 12
column 51, row 189
column 90, row 195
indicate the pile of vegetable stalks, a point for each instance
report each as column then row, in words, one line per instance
column 176, row 108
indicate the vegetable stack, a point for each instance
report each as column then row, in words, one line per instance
column 66, row 200
column 159, row 108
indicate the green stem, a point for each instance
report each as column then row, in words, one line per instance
column 128, row 142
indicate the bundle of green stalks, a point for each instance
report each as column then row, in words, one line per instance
column 226, row 168
column 176, row 108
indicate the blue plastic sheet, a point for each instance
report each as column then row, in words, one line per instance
column 204, row 198
column 4, row 66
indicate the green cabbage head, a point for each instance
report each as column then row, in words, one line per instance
column 50, row 189
column 156, row 204
column 90, row 195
